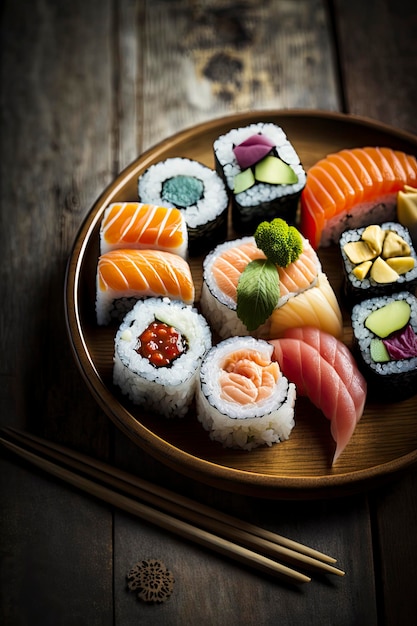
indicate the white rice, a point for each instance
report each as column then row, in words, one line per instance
column 168, row 391
column 261, row 192
column 364, row 214
column 213, row 203
column 243, row 426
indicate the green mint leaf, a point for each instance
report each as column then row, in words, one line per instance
column 257, row 292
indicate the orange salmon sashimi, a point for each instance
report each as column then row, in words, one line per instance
column 353, row 188
column 298, row 276
column 143, row 226
column 135, row 274
column 306, row 296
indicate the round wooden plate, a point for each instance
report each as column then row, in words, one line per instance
column 385, row 440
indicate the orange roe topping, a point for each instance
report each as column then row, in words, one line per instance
column 161, row 344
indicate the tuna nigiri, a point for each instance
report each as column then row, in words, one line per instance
column 124, row 276
column 324, row 370
column 353, row 188
column 144, row 226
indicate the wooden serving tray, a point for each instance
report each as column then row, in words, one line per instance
column 385, row 440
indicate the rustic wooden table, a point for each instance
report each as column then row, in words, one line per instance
column 86, row 87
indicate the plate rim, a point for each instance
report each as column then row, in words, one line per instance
column 203, row 470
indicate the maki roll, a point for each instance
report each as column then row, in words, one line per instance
column 197, row 191
column 243, row 400
column 385, row 338
column 377, row 260
column 143, row 226
column 262, row 172
column 257, row 289
column 158, row 350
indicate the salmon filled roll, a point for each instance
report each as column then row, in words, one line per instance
column 243, row 400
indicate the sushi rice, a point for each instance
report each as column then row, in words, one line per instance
column 217, row 306
column 244, row 426
column 169, row 390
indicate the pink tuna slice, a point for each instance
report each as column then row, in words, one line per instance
column 330, row 379
column 338, row 355
column 252, row 150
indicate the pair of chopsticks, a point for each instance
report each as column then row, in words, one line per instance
column 239, row 540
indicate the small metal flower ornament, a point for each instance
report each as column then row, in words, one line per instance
column 152, row 581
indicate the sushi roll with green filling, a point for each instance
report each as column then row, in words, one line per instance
column 197, row 191
column 158, row 350
column 262, row 172
column 377, row 260
column 385, row 339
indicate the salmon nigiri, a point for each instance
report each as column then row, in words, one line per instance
column 143, row 226
column 324, row 370
column 305, row 294
column 124, row 276
column 353, row 188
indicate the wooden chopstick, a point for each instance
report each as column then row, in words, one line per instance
column 161, row 519
column 163, row 498
column 221, row 524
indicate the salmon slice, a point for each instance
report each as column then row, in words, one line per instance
column 316, row 378
column 298, row 276
column 346, row 185
column 333, row 180
column 141, row 273
column 352, row 177
column 145, row 226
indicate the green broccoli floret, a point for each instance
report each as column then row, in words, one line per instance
column 282, row 244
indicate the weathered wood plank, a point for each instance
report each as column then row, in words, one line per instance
column 378, row 59
column 200, row 61
column 208, row 59
column 56, row 142
column 380, row 83
column 56, row 552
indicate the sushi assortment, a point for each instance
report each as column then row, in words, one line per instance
column 194, row 189
column 268, row 324
column 377, row 260
column 385, row 334
column 262, row 172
